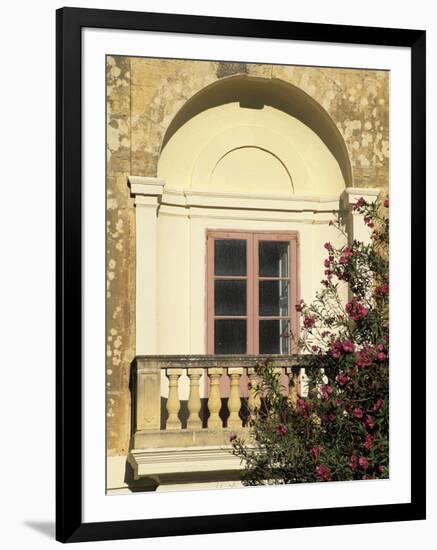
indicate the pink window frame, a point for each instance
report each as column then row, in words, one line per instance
column 252, row 276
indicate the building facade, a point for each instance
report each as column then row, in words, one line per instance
column 222, row 179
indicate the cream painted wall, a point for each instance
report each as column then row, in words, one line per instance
column 181, row 260
column 217, row 150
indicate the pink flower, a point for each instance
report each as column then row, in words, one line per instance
column 368, row 443
column 363, row 462
column 309, row 322
column 382, row 289
column 370, row 422
column 365, row 477
column 386, row 203
column 328, row 246
column 348, row 346
column 342, row 379
column 363, row 359
column 360, row 204
column 378, row 404
column 323, row 472
column 380, row 356
column 356, row 310
column 381, row 468
column 299, row 305
column 346, row 255
column 315, row 452
column 326, row 392
column 358, row 412
column 281, row 429
column 302, row 407
column 336, row 349
column 353, row 462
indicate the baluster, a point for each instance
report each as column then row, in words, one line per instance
column 173, row 403
column 214, row 401
column 292, row 386
column 324, row 380
column 254, row 400
column 234, row 401
column 302, row 383
column 194, row 422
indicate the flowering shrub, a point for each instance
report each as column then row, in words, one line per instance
column 340, row 430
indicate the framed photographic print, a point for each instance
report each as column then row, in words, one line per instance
column 241, row 257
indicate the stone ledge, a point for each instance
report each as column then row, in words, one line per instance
column 181, row 463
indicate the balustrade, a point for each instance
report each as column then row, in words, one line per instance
column 198, row 378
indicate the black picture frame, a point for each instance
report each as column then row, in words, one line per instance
column 70, row 22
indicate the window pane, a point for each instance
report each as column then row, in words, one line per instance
column 273, row 259
column 229, row 336
column 230, row 257
column 230, row 297
column 274, row 336
column 273, row 298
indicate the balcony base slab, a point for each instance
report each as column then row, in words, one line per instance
column 178, row 466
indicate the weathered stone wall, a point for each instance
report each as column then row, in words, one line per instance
column 143, row 96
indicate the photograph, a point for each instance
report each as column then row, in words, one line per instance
column 247, row 274
column 216, row 296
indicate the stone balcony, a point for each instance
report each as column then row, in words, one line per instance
column 181, row 437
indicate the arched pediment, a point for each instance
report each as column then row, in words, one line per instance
column 243, row 135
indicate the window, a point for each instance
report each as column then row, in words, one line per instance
column 252, row 288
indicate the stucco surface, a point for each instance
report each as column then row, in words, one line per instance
column 143, row 97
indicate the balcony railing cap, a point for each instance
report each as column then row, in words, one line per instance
column 226, row 361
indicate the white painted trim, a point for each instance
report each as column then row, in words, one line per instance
column 142, row 187
column 352, row 194
column 297, row 198
column 262, row 202
column 146, row 186
column 147, row 192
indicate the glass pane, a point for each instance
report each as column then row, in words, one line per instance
column 229, row 336
column 273, row 259
column 230, row 257
column 230, row 297
column 274, row 337
column 273, row 298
